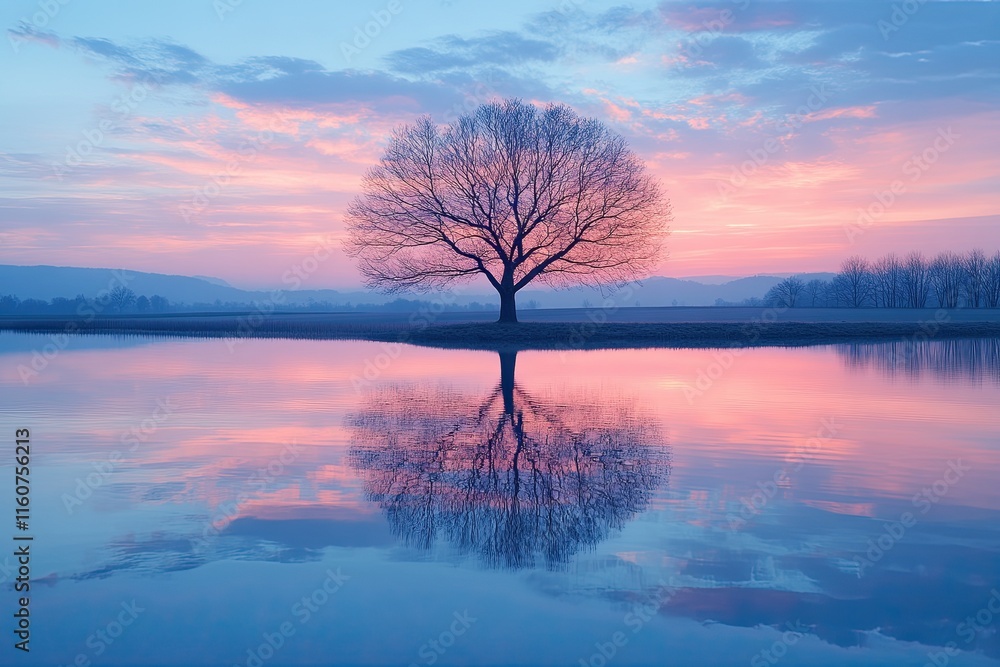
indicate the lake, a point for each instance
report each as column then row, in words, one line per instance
column 267, row 502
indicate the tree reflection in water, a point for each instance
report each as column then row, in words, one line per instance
column 975, row 360
column 517, row 479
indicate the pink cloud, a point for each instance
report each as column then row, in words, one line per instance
column 843, row 112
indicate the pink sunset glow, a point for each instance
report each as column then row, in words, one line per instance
column 238, row 167
column 794, row 398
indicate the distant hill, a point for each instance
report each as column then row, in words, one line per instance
column 48, row 282
column 710, row 280
column 214, row 281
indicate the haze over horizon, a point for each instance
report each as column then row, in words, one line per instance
column 231, row 148
column 277, row 284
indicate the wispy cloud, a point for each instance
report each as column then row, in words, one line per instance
column 697, row 88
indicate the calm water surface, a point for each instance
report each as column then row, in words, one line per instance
column 327, row 502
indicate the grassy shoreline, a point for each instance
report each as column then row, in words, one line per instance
column 522, row 336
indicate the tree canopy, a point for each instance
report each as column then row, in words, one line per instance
column 513, row 193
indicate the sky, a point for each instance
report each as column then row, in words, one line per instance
column 226, row 137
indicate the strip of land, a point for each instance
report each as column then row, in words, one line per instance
column 552, row 329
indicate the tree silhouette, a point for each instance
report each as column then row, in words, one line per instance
column 916, row 280
column 888, row 281
column 515, row 479
column 992, row 285
column 976, row 267
column 512, row 193
column 947, row 274
column 855, row 286
column 121, row 298
column 158, row 303
column 788, row 293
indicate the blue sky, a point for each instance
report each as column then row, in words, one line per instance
column 226, row 138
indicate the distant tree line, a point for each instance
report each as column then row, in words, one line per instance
column 124, row 300
column 949, row 280
column 119, row 300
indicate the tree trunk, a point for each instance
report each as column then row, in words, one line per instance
column 507, row 361
column 508, row 309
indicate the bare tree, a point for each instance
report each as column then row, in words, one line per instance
column 916, row 280
column 991, row 288
column 887, row 275
column 121, row 298
column 947, row 277
column 972, row 279
column 854, row 285
column 511, row 193
column 976, row 266
column 787, row 293
column 816, row 292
